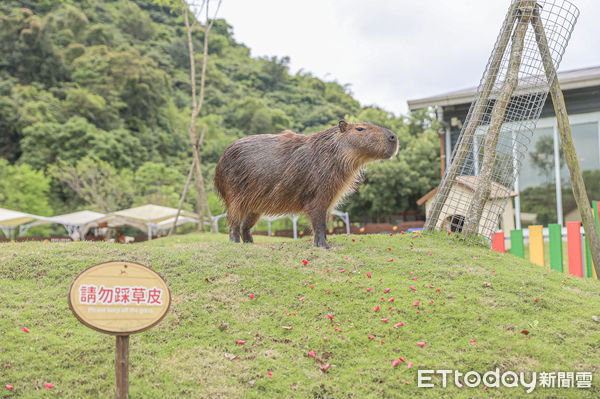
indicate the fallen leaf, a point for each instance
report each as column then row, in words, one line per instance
column 231, row 356
column 287, row 327
column 524, row 332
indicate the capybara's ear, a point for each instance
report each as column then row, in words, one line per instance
column 343, row 125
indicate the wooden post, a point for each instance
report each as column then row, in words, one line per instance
column 564, row 127
column 482, row 192
column 122, row 367
column 471, row 127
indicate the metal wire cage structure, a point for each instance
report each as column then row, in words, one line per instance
column 486, row 160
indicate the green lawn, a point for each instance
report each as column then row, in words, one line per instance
column 189, row 356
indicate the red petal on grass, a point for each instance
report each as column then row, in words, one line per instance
column 228, row 266
column 411, row 273
column 343, row 271
column 272, row 247
column 25, row 329
column 401, row 359
column 376, row 308
column 438, row 290
column 241, row 342
column 416, row 303
column 226, row 274
column 371, row 336
column 391, row 234
column 301, row 299
column 9, row 387
column 398, row 325
column 337, row 329
column 419, row 258
column 383, row 299
column 389, row 249
column 473, row 342
column 324, row 338
column 493, row 271
column 391, row 300
column 385, row 320
column 389, row 308
column 251, row 296
column 421, row 344
column 410, row 364
column 382, row 342
column 431, row 303
column 330, row 316
column 48, row 385
column 387, row 290
column 431, row 286
column 390, row 260
column 269, row 374
column 414, row 278
column 368, row 290
column 395, row 363
column 324, row 368
column 353, row 240
column 312, row 353
column 312, row 287
column 403, row 232
column 412, row 287
column 327, row 291
column 304, row 262
column 429, row 254
column 368, row 275
column 536, row 300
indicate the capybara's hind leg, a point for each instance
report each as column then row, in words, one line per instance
column 318, row 218
column 234, row 229
column 247, row 224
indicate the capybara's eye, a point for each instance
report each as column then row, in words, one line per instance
column 360, row 129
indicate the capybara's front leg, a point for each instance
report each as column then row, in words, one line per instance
column 318, row 218
column 247, row 224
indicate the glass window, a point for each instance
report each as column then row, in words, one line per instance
column 537, row 181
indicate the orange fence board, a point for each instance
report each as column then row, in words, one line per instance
column 536, row 244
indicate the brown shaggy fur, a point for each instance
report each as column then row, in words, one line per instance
column 289, row 173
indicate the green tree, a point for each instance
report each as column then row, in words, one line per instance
column 24, row 189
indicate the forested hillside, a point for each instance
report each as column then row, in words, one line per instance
column 95, row 97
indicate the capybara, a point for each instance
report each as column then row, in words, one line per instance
column 289, row 173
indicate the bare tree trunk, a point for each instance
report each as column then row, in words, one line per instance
column 471, row 127
column 187, row 182
column 564, row 127
column 201, row 203
column 482, row 192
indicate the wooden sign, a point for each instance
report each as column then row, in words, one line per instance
column 119, row 298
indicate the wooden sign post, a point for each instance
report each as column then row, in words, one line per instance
column 119, row 298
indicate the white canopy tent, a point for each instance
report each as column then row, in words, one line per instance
column 76, row 223
column 147, row 218
column 11, row 220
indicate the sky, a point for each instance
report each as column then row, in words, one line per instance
column 391, row 51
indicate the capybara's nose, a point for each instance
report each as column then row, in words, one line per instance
column 392, row 138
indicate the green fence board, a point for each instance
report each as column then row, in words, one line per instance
column 516, row 243
column 556, row 255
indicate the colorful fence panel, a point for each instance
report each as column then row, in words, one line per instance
column 536, row 245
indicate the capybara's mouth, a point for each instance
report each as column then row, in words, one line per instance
column 393, row 151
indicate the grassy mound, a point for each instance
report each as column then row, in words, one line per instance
column 474, row 306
